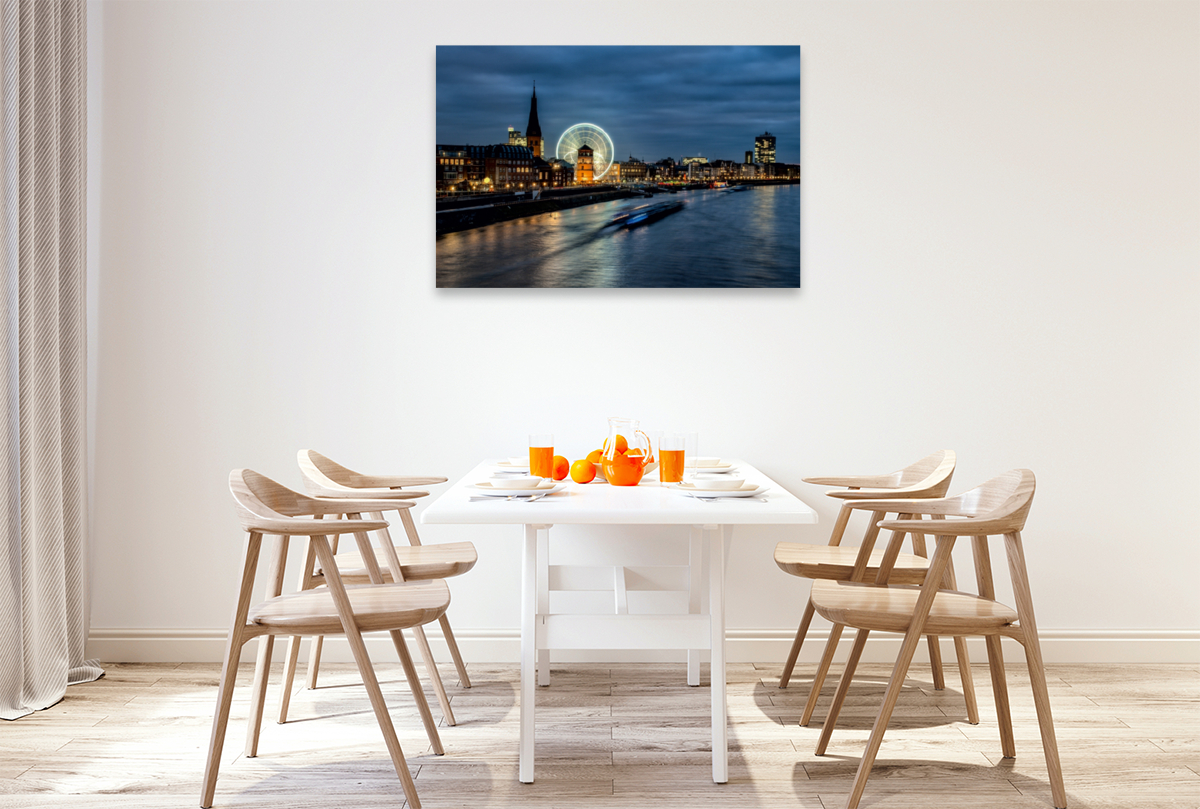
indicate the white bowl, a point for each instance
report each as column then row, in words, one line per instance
column 518, row 482
column 519, row 461
column 723, row 483
column 700, row 463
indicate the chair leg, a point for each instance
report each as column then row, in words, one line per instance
column 1037, row 669
column 262, row 666
column 220, row 721
column 289, row 676
column 314, row 661
column 233, row 651
column 258, row 694
column 835, row 634
column 895, row 685
column 790, row 663
column 367, row 671
column 860, row 643
column 414, row 684
column 968, row 682
column 434, row 676
column 464, row 679
column 1008, row 742
column 935, row 662
column 912, row 638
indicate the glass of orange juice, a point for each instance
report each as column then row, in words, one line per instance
column 671, row 449
column 541, row 455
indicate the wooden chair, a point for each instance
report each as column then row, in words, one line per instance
column 998, row 507
column 928, row 477
column 406, row 563
column 264, row 507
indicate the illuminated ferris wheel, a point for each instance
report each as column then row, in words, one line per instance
column 596, row 138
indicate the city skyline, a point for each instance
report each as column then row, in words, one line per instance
column 655, row 102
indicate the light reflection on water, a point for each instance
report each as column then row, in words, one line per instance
column 720, row 239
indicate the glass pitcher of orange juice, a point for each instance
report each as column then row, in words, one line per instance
column 627, row 452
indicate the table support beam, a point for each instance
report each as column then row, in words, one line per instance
column 695, row 594
column 716, row 608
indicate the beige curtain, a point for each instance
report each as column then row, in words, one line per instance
column 43, row 571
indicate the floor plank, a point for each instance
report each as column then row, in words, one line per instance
column 610, row 736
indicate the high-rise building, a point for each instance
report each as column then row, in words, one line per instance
column 515, row 138
column 533, row 131
column 583, row 165
column 749, row 156
column 764, row 148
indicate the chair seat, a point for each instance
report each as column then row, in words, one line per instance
column 376, row 607
column 417, row 562
column 837, row 563
column 889, row 608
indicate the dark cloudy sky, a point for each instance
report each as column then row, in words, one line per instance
column 654, row 102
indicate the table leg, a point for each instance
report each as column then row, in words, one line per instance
column 716, row 608
column 528, row 650
column 543, row 600
column 695, row 565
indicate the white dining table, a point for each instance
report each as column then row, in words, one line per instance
column 649, row 503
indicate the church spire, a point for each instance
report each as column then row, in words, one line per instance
column 533, row 132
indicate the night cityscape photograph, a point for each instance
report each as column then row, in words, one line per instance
column 613, row 166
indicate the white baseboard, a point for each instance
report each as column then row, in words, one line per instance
column 742, row 646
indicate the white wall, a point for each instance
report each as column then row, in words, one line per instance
column 1000, row 256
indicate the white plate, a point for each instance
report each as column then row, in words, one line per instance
column 509, row 466
column 747, row 490
column 708, row 465
column 498, row 489
column 709, row 470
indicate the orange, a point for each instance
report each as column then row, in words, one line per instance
column 583, row 471
column 595, row 455
column 560, row 466
column 634, row 451
column 622, row 444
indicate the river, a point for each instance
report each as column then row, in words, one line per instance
column 745, row 238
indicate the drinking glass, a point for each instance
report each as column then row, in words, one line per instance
column 671, row 455
column 541, row 455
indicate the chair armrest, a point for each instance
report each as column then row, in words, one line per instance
column 915, row 505
column 949, row 528
column 348, row 505
column 300, row 527
column 878, row 494
column 855, row 481
column 397, row 481
column 371, row 494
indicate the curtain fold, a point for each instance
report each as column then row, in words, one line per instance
column 43, row 494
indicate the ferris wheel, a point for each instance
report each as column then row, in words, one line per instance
column 596, row 138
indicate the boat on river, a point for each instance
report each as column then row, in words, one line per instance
column 644, row 214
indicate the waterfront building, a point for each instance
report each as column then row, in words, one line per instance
column 634, row 171
column 515, row 138
column 451, row 167
column 509, row 166
column 687, row 161
column 727, row 169
column 533, row 131
column 749, row 156
column 700, row 172
column 665, row 170
column 764, row 148
column 562, row 173
column 583, row 165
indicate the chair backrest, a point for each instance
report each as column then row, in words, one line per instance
column 928, row 477
column 999, row 506
column 321, row 472
column 1003, row 501
column 260, row 500
column 935, row 468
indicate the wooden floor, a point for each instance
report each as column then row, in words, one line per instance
column 610, row 736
